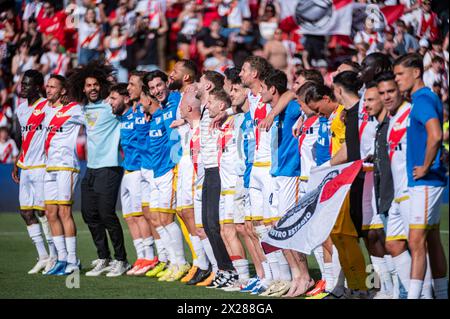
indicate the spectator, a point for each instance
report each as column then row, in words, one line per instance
column 54, row 61
column 145, row 47
column 241, row 44
column 424, row 45
column 51, row 23
column 277, row 52
column 268, row 20
column 218, row 61
column 31, row 11
column 373, row 38
column 23, row 61
column 314, row 49
column 152, row 9
column 8, row 148
column 233, row 13
column 116, row 51
column 90, row 35
column 406, row 43
column 435, row 74
column 210, row 39
column 428, row 24
column 436, row 50
column 190, row 22
column 125, row 17
column 389, row 43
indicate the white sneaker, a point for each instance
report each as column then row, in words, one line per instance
column 118, row 269
column 50, row 264
column 236, row 286
column 101, row 266
column 70, row 268
column 41, row 263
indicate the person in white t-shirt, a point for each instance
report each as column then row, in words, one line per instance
column 89, row 37
column 53, row 61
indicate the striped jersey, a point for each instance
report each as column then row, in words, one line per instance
column 31, row 120
column 63, row 123
column 259, row 111
column 307, row 144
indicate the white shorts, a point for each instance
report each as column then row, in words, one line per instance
column 424, row 209
column 228, row 180
column 239, row 201
column 261, row 193
column 286, row 195
column 146, row 186
column 130, row 194
column 371, row 219
column 31, row 189
column 398, row 220
column 163, row 194
column 198, row 201
column 59, row 187
column 185, row 183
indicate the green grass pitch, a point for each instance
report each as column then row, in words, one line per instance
column 17, row 256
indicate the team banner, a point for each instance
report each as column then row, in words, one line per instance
column 319, row 17
column 335, row 17
column 308, row 225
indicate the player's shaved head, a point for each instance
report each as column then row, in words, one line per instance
column 190, row 107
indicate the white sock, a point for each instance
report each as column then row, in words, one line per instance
column 36, row 236
column 139, row 246
column 60, row 244
column 261, row 230
column 210, row 254
column 285, row 270
column 380, row 267
column 328, row 276
column 394, row 276
column 241, row 266
column 415, row 289
column 440, row 288
column 274, row 265
column 148, row 248
column 177, row 241
column 161, row 250
column 338, row 273
column 267, row 273
column 167, row 242
column 48, row 236
column 318, row 253
column 201, row 261
column 402, row 264
column 71, row 246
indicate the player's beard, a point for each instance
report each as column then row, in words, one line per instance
column 175, row 85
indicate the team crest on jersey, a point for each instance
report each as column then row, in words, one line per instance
column 397, row 126
column 157, row 120
column 59, row 114
column 37, row 112
column 91, row 118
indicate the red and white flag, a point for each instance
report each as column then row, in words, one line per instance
column 318, row 17
column 308, row 225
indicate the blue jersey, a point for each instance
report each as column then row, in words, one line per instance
column 143, row 130
column 248, row 135
column 285, row 153
column 426, row 105
column 169, row 111
column 323, row 153
column 128, row 140
column 157, row 144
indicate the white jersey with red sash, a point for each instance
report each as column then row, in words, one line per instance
column 307, row 140
column 63, row 124
column 259, row 111
column 89, row 36
column 31, row 120
column 8, row 151
column 397, row 149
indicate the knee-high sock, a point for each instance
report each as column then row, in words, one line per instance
column 60, row 244
column 48, row 236
column 71, row 247
column 161, row 251
column 380, row 267
column 139, row 246
column 274, row 266
column 285, row 271
column 318, row 254
column 241, row 266
column 394, row 275
column 167, row 243
column 177, row 242
column 148, row 248
column 36, row 236
column 201, row 260
column 427, row 288
column 402, row 264
column 210, row 254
